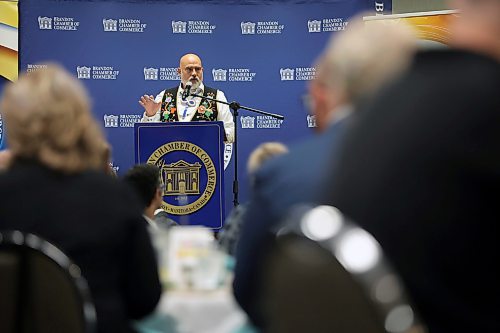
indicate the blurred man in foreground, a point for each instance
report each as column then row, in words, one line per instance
column 420, row 170
column 355, row 64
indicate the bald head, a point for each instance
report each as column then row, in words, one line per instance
column 190, row 69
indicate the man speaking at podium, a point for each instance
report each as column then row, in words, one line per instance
column 176, row 104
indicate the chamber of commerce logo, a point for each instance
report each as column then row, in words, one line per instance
column 97, row 72
column 179, row 27
column 298, row 73
column 182, row 178
column 162, row 73
column 110, row 24
column 150, row 73
column 115, row 167
column 110, row 120
column 44, row 23
column 327, row 25
column 247, row 28
column 83, row 72
column 123, row 25
column 287, row 74
column 57, row 23
column 233, row 74
column 247, row 122
column 219, row 74
column 122, row 120
column 311, row 121
column 35, row 67
column 314, row 26
column 228, row 153
column 192, row 27
column 260, row 122
column 379, row 8
column 261, row 28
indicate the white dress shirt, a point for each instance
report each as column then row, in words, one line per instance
column 186, row 112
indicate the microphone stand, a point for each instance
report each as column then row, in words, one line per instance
column 235, row 106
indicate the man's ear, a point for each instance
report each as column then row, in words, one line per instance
column 179, row 70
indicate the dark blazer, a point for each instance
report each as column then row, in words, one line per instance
column 420, row 170
column 98, row 224
column 289, row 179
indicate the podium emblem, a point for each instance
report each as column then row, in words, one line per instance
column 189, row 182
column 181, row 178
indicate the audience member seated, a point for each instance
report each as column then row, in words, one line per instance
column 356, row 63
column 55, row 188
column 145, row 181
column 228, row 238
column 420, row 170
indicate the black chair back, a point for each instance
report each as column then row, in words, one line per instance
column 327, row 275
column 42, row 290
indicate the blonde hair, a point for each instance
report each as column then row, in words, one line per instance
column 262, row 153
column 48, row 119
column 365, row 56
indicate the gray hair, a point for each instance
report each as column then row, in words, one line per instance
column 362, row 58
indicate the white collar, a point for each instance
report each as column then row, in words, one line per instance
column 151, row 223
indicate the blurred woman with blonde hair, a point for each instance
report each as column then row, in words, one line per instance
column 55, row 187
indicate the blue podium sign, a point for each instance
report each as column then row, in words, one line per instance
column 190, row 158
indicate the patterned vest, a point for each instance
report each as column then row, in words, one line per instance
column 207, row 110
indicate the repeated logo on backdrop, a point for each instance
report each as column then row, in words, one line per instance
column 311, row 121
column 123, row 25
column 326, row 25
column 261, row 28
column 57, row 23
column 233, row 74
column 193, row 27
column 260, row 122
column 298, row 74
column 97, row 72
column 161, row 73
column 122, row 120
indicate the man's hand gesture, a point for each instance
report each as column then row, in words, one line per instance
column 149, row 105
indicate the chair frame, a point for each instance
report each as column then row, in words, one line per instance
column 369, row 279
column 31, row 242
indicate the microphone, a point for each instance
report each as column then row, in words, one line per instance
column 187, row 91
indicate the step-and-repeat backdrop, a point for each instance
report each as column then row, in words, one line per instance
column 260, row 53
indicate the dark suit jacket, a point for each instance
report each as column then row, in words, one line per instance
column 420, row 170
column 281, row 183
column 98, row 224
